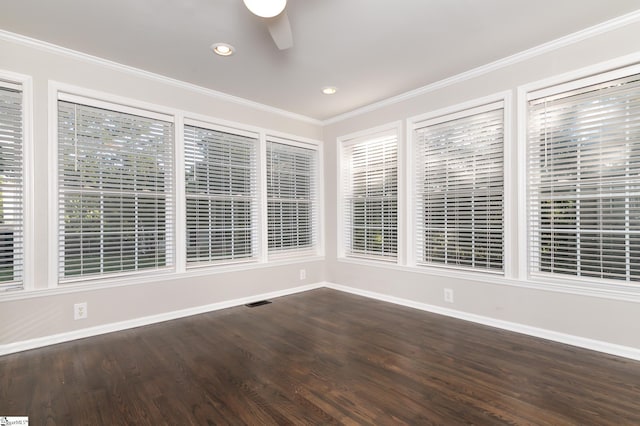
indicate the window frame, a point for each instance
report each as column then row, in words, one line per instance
column 343, row 142
column 256, row 207
column 570, row 81
column 316, row 247
column 64, row 92
column 499, row 100
column 25, row 84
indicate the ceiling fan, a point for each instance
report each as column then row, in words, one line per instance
column 277, row 20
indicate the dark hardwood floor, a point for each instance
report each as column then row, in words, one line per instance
column 320, row 357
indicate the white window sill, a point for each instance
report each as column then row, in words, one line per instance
column 616, row 291
column 112, row 282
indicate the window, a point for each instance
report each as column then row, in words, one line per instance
column 370, row 196
column 115, row 191
column 459, row 189
column 221, row 194
column 11, row 186
column 584, row 179
column 292, row 197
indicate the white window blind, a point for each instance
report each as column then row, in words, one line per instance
column 370, row 197
column 292, row 197
column 11, row 183
column 221, row 194
column 115, row 191
column 584, row 181
column 459, row 189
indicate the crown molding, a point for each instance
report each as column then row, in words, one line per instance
column 63, row 51
column 567, row 40
column 541, row 49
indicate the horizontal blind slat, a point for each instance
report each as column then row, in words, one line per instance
column 11, row 188
column 291, row 197
column 370, row 191
column 221, row 195
column 459, row 188
column 584, row 181
column 115, row 191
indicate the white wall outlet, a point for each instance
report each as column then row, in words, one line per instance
column 303, row 274
column 448, row 295
column 80, row 311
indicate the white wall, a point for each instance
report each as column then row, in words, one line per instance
column 604, row 319
column 37, row 314
column 48, row 313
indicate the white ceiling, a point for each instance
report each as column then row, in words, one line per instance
column 370, row 49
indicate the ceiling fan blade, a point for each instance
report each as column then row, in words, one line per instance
column 280, row 31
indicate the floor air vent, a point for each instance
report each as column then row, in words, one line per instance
column 256, row 304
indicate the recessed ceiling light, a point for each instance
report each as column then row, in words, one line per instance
column 223, row 49
column 266, row 8
column 329, row 90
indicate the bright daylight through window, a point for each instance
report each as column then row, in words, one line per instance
column 115, row 191
column 292, row 197
column 370, row 196
column 584, row 180
column 459, row 189
column 221, row 192
column 11, row 182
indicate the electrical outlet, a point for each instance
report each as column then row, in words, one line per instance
column 80, row 311
column 303, row 274
column 448, row 295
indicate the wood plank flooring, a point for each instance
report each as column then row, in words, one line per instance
column 320, row 357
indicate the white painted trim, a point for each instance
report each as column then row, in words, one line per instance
column 152, row 319
column 52, row 155
column 210, row 123
column 297, row 142
column 318, row 231
column 62, row 51
column 180, row 198
column 369, row 135
column 80, row 95
column 289, row 139
column 133, row 280
column 567, row 40
column 623, row 65
column 263, row 216
column 410, row 199
column 509, row 202
column 591, row 344
column 24, row 83
column 320, row 207
column 501, row 100
column 28, row 182
column 627, row 293
column 475, row 106
column 583, row 77
column 105, row 100
column 567, row 339
column 372, row 133
column 264, row 135
column 206, row 121
column 401, row 198
column 604, row 27
column 523, row 187
column 339, row 231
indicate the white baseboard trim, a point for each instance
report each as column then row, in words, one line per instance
column 568, row 339
column 152, row 319
column 595, row 345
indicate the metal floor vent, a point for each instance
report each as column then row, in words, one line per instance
column 256, row 304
